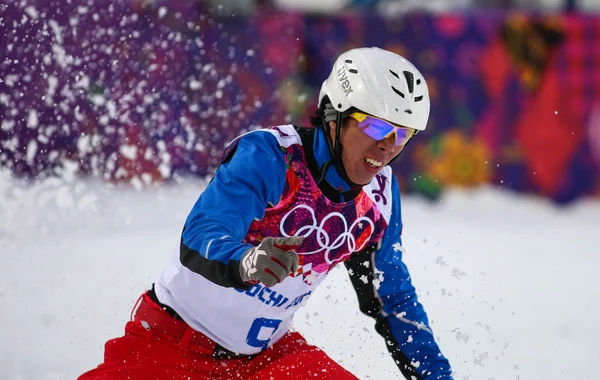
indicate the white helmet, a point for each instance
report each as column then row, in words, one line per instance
column 380, row 83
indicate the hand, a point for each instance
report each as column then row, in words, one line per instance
column 271, row 261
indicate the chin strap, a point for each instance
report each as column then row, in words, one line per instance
column 335, row 149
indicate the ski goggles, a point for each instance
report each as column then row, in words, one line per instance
column 380, row 129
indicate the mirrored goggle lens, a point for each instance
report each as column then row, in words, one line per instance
column 380, row 129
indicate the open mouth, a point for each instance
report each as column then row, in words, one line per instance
column 373, row 163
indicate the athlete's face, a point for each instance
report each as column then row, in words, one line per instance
column 363, row 156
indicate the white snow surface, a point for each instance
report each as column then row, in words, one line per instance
column 509, row 281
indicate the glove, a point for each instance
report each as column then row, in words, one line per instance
column 271, row 261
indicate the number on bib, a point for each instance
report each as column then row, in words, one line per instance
column 254, row 335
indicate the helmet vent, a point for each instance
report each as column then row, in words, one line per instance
column 418, row 98
column 418, row 81
column 394, row 74
column 408, row 112
column 410, row 80
column 398, row 92
column 348, row 61
column 353, row 71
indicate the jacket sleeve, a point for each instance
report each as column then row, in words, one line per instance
column 385, row 293
column 251, row 177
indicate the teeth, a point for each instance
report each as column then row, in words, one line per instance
column 373, row 163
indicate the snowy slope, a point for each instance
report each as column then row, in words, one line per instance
column 508, row 281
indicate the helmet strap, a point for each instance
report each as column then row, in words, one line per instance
column 335, row 151
column 323, row 170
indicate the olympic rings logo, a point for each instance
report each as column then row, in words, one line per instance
column 325, row 242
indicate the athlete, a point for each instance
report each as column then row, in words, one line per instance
column 285, row 206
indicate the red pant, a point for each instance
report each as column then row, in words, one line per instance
column 167, row 349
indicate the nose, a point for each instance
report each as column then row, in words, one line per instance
column 387, row 144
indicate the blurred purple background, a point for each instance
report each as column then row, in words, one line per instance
column 142, row 92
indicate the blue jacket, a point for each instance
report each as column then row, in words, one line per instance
column 240, row 192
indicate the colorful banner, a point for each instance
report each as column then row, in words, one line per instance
column 143, row 91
